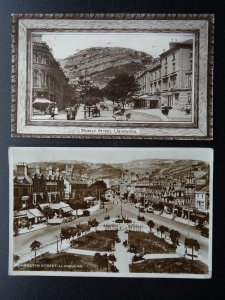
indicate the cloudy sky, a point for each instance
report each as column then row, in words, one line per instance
column 65, row 44
column 105, row 155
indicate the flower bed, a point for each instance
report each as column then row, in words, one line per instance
column 170, row 265
column 148, row 243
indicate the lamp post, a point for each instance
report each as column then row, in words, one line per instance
column 57, row 244
column 189, row 210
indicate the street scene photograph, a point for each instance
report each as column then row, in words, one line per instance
column 134, row 77
column 116, row 212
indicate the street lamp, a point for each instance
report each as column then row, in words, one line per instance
column 57, row 244
column 188, row 210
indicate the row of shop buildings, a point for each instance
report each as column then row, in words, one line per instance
column 49, row 80
column 168, row 80
column 171, row 194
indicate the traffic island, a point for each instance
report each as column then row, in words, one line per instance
column 96, row 241
column 147, row 243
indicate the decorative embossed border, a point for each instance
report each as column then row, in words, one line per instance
column 202, row 25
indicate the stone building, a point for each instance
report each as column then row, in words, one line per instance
column 168, row 80
column 22, row 188
column 176, row 73
column 49, row 80
column 48, row 186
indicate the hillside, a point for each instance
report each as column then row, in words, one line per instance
column 102, row 63
column 155, row 167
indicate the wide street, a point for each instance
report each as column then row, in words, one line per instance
column 49, row 234
column 137, row 115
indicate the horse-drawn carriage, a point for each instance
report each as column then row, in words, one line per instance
column 119, row 112
column 95, row 111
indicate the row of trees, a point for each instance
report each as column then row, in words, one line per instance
column 174, row 235
column 121, row 88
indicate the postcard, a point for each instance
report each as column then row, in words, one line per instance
column 111, row 212
column 102, row 76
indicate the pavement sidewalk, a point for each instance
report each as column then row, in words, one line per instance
column 33, row 228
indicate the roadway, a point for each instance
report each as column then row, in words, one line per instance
column 49, row 234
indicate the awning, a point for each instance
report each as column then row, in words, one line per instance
column 198, row 216
column 43, row 206
column 147, row 97
column 67, row 209
column 25, row 198
column 34, row 213
column 59, row 205
column 20, row 214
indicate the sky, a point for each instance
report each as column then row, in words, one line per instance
column 66, row 44
column 105, row 155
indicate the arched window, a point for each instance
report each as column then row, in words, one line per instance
column 36, row 77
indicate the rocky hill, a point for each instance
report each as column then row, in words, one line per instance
column 102, row 63
column 154, row 167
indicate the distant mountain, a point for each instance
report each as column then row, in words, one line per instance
column 102, row 63
column 156, row 167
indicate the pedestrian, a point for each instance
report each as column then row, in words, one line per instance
column 53, row 113
column 68, row 114
column 56, row 110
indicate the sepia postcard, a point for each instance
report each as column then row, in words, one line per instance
column 111, row 212
column 112, row 75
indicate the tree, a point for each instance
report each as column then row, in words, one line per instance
column 16, row 258
column 174, row 236
column 163, row 230
column 132, row 198
column 48, row 212
column 193, row 244
column 35, row 245
column 151, row 225
column 121, row 88
column 15, row 228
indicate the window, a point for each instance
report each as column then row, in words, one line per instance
column 16, row 192
column 173, row 67
column 189, row 97
column 39, row 58
column 165, row 70
column 188, row 80
column 36, row 77
column 173, row 58
column 35, row 57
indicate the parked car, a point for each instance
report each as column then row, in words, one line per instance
column 205, row 232
column 150, row 210
column 141, row 218
column 107, row 217
column 141, row 209
column 93, row 223
column 86, row 213
column 118, row 240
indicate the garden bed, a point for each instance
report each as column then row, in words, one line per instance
column 66, row 262
column 96, row 241
column 149, row 243
column 170, row 265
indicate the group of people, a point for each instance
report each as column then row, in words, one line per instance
column 53, row 111
column 71, row 112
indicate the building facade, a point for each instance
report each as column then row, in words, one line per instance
column 49, row 80
column 22, row 188
column 168, row 81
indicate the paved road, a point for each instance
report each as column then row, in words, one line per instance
column 49, row 235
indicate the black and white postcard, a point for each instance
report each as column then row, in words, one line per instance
column 111, row 212
column 112, row 76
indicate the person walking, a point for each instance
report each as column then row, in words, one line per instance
column 53, row 113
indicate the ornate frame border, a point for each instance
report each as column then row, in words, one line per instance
column 200, row 129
